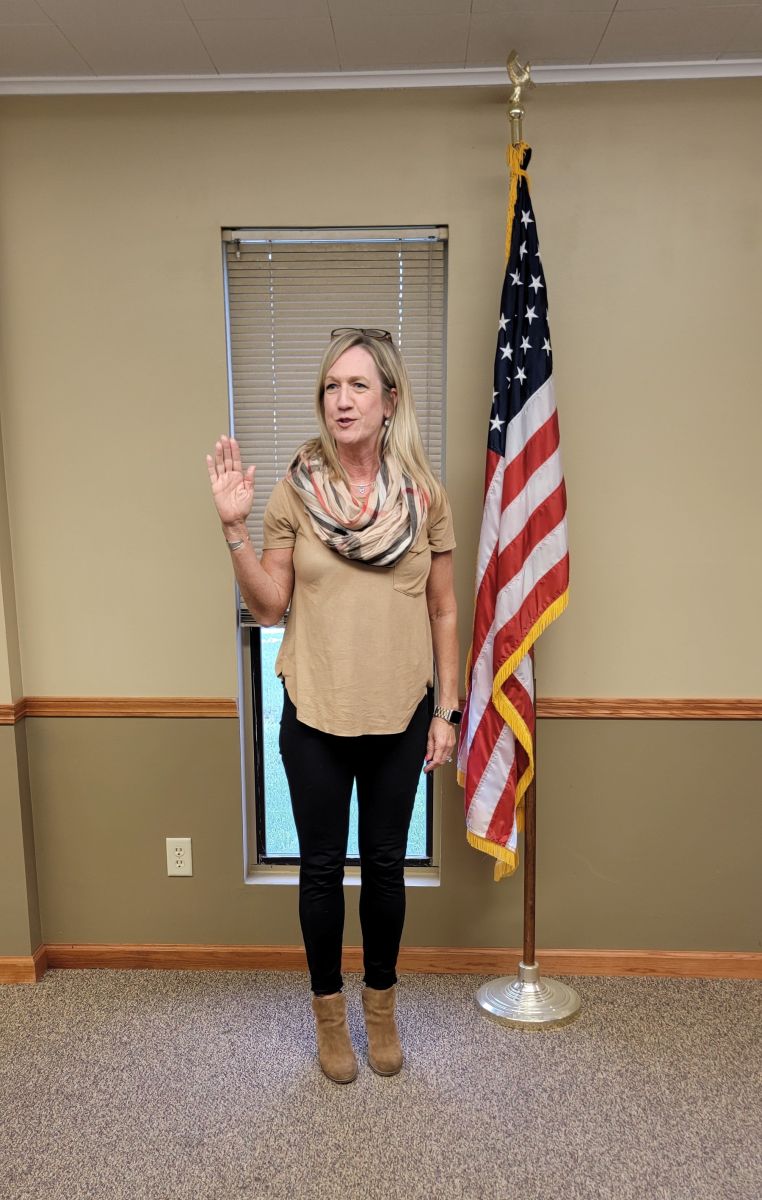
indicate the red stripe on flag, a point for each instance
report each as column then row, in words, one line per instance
column 552, row 585
column 499, row 829
column 542, row 522
column 488, row 731
column 483, row 612
column 500, row 570
column 541, row 445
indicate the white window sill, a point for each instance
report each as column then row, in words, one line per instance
column 272, row 874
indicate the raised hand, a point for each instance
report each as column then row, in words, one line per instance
column 232, row 490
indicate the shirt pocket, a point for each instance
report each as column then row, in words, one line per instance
column 412, row 571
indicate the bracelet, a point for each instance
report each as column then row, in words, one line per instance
column 453, row 715
column 235, row 545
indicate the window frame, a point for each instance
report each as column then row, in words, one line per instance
column 250, row 682
column 260, row 799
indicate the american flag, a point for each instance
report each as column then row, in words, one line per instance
column 522, row 573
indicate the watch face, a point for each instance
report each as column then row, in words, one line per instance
column 449, row 714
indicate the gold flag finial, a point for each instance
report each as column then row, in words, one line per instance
column 521, row 78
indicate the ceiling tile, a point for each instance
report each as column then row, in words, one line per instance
column 687, row 7
column 31, row 50
column 378, row 9
column 746, row 40
column 567, row 38
column 141, row 47
column 548, row 7
column 242, row 47
column 108, row 12
column 254, row 10
column 667, row 34
column 22, row 12
column 377, row 43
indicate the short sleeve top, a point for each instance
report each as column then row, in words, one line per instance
column 357, row 653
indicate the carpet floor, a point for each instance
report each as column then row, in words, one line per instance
column 146, row 1085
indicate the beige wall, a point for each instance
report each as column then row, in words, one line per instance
column 10, row 661
column 637, row 847
column 647, row 200
column 20, row 918
column 5, row 674
column 113, row 387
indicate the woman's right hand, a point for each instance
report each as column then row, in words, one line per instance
column 232, row 490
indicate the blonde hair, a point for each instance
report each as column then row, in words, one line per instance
column 401, row 439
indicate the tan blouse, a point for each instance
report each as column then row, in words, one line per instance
column 357, row 655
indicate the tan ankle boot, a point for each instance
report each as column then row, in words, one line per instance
column 384, row 1049
column 335, row 1053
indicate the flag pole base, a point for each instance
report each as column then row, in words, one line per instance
column 528, row 1002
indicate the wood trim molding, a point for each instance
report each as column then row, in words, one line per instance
column 658, row 709
column 123, row 706
column 11, row 713
column 578, row 707
column 445, row 960
column 28, row 969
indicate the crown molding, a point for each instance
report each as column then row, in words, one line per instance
column 354, row 80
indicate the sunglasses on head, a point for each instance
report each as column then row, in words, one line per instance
column 382, row 335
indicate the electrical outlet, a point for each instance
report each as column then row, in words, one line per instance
column 179, row 857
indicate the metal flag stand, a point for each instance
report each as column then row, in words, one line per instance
column 527, row 1001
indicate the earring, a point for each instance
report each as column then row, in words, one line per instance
column 386, row 422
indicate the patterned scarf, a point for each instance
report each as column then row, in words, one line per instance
column 376, row 531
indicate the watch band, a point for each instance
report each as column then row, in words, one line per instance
column 452, row 715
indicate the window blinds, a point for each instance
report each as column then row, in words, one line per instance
column 286, row 290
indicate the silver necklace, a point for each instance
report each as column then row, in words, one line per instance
column 361, row 488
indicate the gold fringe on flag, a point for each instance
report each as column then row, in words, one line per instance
column 514, row 157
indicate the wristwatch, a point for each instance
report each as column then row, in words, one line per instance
column 452, row 715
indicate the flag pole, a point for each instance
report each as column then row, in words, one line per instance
column 527, row 1001
column 530, row 854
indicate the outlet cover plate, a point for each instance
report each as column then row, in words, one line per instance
column 179, row 857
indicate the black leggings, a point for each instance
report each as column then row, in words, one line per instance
column 321, row 768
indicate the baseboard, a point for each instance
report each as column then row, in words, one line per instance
column 24, row 968
column 444, row 960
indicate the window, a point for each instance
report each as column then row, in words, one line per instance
column 285, row 290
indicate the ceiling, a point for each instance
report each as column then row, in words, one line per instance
column 70, row 45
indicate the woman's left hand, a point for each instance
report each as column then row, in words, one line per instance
column 440, row 744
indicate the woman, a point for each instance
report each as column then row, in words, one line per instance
column 358, row 540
